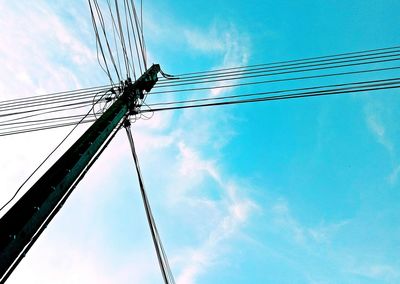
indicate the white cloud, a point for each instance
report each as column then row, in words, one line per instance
column 379, row 130
column 230, row 214
column 300, row 233
column 394, row 176
column 378, row 271
column 38, row 54
column 205, row 42
column 374, row 114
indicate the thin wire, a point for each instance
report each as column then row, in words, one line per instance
column 293, row 66
column 45, row 120
column 129, row 38
column 122, row 39
column 348, row 86
column 134, row 37
column 290, row 61
column 358, row 84
column 86, row 103
column 45, row 128
column 19, row 106
column 114, row 30
column 98, row 44
column 271, row 98
column 269, row 73
column 102, row 24
column 142, row 30
column 140, row 36
column 41, row 122
column 58, row 94
column 161, row 255
column 276, row 80
column 45, row 112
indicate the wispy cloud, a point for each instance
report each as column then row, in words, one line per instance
column 208, row 42
column 228, row 42
column 380, row 128
column 40, row 55
column 394, row 175
column 378, row 271
column 229, row 215
column 302, row 234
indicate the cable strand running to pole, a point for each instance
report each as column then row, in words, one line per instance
column 161, row 255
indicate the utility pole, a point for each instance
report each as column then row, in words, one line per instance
column 27, row 218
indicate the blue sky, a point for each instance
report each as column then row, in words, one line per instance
column 299, row 191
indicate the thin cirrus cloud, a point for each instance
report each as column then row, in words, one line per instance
column 228, row 214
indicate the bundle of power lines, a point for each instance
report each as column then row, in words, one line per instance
column 346, row 73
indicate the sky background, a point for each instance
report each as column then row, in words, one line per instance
column 299, row 191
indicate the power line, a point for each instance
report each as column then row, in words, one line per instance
column 275, row 80
column 272, row 98
column 15, row 114
column 255, row 70
column 268, row 73
column 76, row 92
column 134, row 36
column 348, row 86
column 53, row 126
column 99, row 45
column 291, row 61
column 122, row 38
column 161, row 255
column 102, row 24
column 129, row 37
column 139, row 34
column 59, row 94
column 115, row 30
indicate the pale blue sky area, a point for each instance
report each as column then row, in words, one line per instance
column 298, row 191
